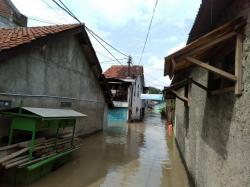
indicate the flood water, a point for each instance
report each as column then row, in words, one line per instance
column 125, row 154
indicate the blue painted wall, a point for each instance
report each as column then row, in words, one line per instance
column 117, row 114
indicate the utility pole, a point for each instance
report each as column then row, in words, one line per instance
column 129, row 65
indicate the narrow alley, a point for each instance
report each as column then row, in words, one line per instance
column 124, row 154
column 130, row 93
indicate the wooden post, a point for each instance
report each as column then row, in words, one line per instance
column 172, row 68
column 189, row 85
column 238, row 64
column 183, row 98
column 32, row 143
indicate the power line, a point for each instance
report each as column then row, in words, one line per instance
column 156, row 2
column 113, row 60
column 94, row 35
column 105, row 48
column 70, row 11
column 42, row 20
column 66, row 9
column 106, row 42
column 103, row 55
column 54, row 9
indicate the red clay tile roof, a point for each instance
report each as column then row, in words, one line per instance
column 121, row 72
column 13, row 37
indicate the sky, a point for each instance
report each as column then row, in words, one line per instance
column 124, row 24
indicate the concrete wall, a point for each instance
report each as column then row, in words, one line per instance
column 136, row 99
column 5, row 22
column 58, row 72
column 213, row 133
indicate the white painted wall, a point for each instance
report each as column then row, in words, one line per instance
column 137, row 103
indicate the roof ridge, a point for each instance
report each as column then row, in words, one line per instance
column 13, row 37
column 43, row 26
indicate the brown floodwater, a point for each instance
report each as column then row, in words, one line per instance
column 124, row 154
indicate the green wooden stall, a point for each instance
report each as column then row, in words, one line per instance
column 34, row 120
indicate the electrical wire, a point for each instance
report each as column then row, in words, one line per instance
column 66, row 9
column 71, row 14
column 42, row 20
column 105, row 48
column 54, row 9
column 70, row 11
column 104, row 55
column 150, row 24
column 106, row 42
column 112, row 60
column 94, row 35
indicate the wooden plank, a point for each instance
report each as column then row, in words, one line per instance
column 184, row 99
column 13, row 155
column 200, row 85
column 189, row 89
column 16, row 163
column 60, row 142
column 211, row 68
column 212, row 43
column 14, row 160
column 209, row 44
column 27, row 143
column 238, row 64
column 212, row 35
column 35, row 160
column 176, row 85
column 21, row 144
column 172, row 68
column 3, row 148
column 223, row 90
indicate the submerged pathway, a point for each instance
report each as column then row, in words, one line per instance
column 133, row 154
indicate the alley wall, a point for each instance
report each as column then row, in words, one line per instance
column 213, row 133
column 54, row 73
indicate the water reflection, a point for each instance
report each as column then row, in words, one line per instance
column 133, row 154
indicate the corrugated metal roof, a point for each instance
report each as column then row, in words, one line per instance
column 207, row 17
column 54, row 113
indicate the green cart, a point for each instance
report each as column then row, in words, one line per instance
column 34, row 120
column 40, row 119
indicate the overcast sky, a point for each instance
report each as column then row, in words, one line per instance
column 124, row 24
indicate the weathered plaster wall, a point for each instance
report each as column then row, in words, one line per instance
column 137, row 102
column 57, row 69
column 213, row 135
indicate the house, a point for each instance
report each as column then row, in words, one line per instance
column 126, row 84
column 211, row 86
column 10, row 16
column 53, row 67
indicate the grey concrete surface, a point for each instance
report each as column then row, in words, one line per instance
column 213, row 134
column 56, row 69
